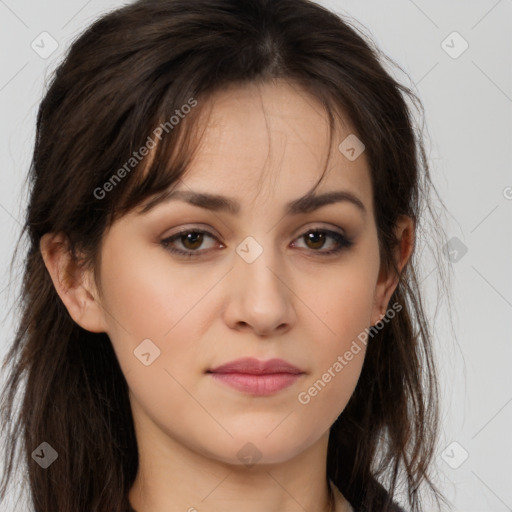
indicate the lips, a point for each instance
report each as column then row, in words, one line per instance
column 252, row 366
column 255, row 377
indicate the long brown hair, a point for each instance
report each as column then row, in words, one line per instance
column 126, row 75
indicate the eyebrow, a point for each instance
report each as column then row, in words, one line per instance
column 218, row 203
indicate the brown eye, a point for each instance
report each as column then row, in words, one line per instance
column 191, row 240
column 316, row 239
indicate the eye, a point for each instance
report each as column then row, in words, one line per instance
column 316, row 238
column 193, row 239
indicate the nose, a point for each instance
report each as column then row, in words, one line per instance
column 259, row 296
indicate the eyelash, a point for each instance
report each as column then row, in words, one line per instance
column 342, row 241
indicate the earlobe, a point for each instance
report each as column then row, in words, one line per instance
column 73, row 284
column 388, row 281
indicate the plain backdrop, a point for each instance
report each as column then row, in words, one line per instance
column 457, row 55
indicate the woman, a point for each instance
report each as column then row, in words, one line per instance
column 220, row 305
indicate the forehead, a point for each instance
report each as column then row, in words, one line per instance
column 272, row 140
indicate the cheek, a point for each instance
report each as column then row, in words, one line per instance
column 147, row 298
column 149, row 294
column 341, row 307
column 338, row 353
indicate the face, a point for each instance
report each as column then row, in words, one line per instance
column 187, row 288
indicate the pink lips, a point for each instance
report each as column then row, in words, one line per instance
column 257, row 377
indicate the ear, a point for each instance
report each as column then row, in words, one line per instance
column 388, row 281
column 74, row 285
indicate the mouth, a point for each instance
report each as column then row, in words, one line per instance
column 249, row 375
column 264, row 384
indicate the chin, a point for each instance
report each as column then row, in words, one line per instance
column 257, row 447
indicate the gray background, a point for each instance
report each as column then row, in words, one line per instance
column 468, row 103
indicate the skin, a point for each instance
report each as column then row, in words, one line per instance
column 291, row 302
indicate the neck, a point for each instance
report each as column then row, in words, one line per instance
column 173, row 477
